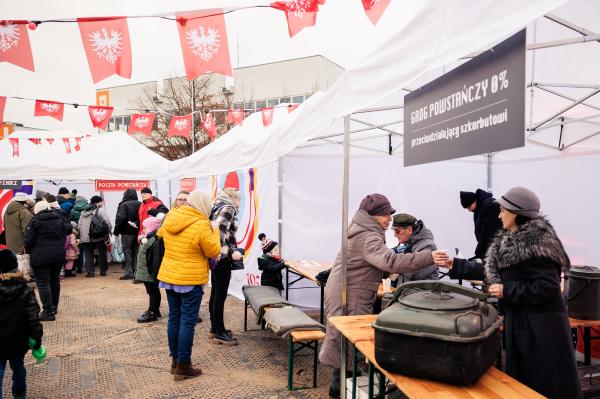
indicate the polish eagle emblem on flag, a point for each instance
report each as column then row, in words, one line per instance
column 204, row 44
column 9, row 37
column 107, row 45
column 181, row 124
column 50, row 107
column 142, row 122
column 99, row 114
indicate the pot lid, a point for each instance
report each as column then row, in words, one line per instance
column 585, row 271
column 437, row 300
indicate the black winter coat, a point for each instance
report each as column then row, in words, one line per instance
column 539, row 346
column 154, row 255
column 271, row 272
column 128, row 214
column 486, row 221
column 467, row 269
column 45, row 239
column 19, row 318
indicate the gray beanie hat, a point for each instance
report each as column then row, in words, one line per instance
column 521, row 201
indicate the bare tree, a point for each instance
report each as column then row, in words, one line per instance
column 176, row 99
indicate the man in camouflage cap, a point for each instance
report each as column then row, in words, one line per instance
column 413, row 237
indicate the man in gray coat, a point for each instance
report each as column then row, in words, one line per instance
column 89, row 244
column 368, row 260
column 413, row 236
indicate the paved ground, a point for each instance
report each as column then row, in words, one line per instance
column 96, row 349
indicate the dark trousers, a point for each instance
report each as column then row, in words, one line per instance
column 130, row 247
column 19, row 375
column 154, row 295
column 47, row 279
column 88, row 256
column 78, row 265
column 219, row 279
column 183, row 313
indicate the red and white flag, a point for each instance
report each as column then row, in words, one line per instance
column 107, row 46
column 2, row 105
column 14, row 44
column 15, row 146
column 235, row 116
column 299, row 13
column 35, row 141
column 375, row 9
column 203, row 38
column 49, row 108
column 208, row 124
column 100, row 116
column 267, row 116
column 292, row 107
column 141, row 123
column 67, row 145
column 77, row 143
column 50, row 141
column 180, row 126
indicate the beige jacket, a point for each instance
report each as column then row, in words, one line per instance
column 368, row 259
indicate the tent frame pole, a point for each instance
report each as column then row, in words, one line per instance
column 193, row 104
column 345, row 199
column 280, row 203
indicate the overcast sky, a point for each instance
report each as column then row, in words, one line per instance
column 343, row 34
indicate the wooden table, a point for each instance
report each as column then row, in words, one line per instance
column 306, row 269
column 493, row 384
column 587, row 336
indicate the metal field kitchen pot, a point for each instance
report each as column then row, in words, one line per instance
column 583, row 293
column 438, row 331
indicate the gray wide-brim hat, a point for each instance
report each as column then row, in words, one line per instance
column 521, row 201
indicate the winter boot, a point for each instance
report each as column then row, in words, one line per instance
column 147, row 317
column 224, row 339
column 183, row 371
column 173, row 365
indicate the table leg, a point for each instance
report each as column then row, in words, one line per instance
column 381, row 389
column 315, row 360
column 287, row 282
column 587, row 346
column 291, row 364
column 322, row 303
column 354, row 372
column 370, row 368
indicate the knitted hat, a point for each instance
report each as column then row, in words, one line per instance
column 521, row 201
column 20, row 197
column 151, row 224
column 96, row 199
column 201, row 200
column 376, row 205
column 8, row 261
column 261, row 236
column 467, row 198
column 146, row 190
column 41, row 206
column 268, row 246
column 54, row 205
column 63, row 190
column 404, row 220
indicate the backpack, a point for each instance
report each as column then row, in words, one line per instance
column 98, row 226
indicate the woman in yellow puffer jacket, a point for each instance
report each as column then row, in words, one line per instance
column 190, row 241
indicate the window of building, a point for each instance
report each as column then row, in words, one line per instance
column 274, row 102
column 298, row 99
column 284, row 100
column 261, row 104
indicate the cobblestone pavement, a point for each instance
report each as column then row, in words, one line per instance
column 96, row 349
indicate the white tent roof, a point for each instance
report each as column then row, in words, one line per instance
column 102, row 156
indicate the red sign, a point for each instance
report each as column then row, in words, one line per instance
column 187, row 184
column 121, row 185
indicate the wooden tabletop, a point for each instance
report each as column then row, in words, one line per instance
column 307, row 268
column 493, row 384
column 583, row 323
column 355, row 328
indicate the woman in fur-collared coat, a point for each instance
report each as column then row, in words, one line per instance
column 523, row 268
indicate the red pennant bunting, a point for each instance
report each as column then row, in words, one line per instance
column 49, row 108
column 50, row 141
column 180, row 126
column 235, row 116
column 299, row 13
column 107, row 46
column 292, row 107
column 14, row 44
column 67, row 145
column 2, row 105
column 36, row 141
column 267, row 116
column 375, row 9
column 204, row 42
column 77, row 143
column 209, row 126
column 15, row 146
column 100, row 116
column 141, row 123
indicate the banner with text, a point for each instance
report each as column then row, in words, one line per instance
column 477, row 108
column 121, row 185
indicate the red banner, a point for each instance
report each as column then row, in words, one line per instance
column 50, row 141
column 77, row 143
column 299, row 13
column 235, row 116
column 35, row 141
column 120, row 185
column 49, row 108
column 67, row 144
column 204, row 42
column 141, row 123
column 107, row 46
column 180, row 126
column 100, row 116
column 187, row 184
column 15, row 146
column 208, row 124
column 2, row 105
column 14, row 45
column 292, row 107
column 375, row 9
column 267, row 116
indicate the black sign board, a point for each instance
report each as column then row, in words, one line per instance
column 11, row 184
column 476, row 108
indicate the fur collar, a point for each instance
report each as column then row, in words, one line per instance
column 534, row 239
column 14, row 275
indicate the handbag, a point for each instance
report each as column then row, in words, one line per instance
column 238, row 264
column 24, row 265
column 118, row 255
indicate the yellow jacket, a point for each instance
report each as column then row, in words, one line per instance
column 189, row 243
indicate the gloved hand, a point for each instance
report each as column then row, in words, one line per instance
column 235, row 256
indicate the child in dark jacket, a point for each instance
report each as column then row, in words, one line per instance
column 271, row 264
column 149, row 258
column 19, row 320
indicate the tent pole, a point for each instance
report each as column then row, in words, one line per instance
column 280, row 205
column 489, row 172
column 345, row 247
column 193, row 135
